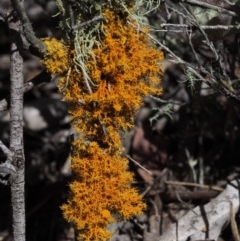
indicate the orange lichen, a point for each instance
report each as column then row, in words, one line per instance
column 125, row 68
column 106, row 213
column 56, row 59
column 101, row 192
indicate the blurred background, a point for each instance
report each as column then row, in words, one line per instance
column 190, row 135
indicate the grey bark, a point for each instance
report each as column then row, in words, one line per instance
column 16, row 131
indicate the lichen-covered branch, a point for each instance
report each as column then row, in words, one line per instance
column 35, row 42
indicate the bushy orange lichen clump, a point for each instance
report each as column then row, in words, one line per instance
column 56, row 58
column 101, row 190
column 125, row 68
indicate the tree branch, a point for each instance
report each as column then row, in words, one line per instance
column 7, row 170
column 16, row 129
column 217, row 5
column 76, row 27
column 35, row 42
column 44, row 76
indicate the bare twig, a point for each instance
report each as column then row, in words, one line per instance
column 194, row 21
column 146, row 191
column 185, row 204
column 7, row 173
column 189, row 34
column 44, row 76
column 166, row 101
column 130, row 158
column 7, row 152
column 171, row 196
column 7, row 170
column 170, row 25
column 214, row 188
column 155, row 208
column 234, row 226
column 212, row 4
column 81, row 25
column 210, row 79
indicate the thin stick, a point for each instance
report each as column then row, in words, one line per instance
column 234, row 226
column 81, row 25
column 181, row 201
column 7, row 152
column 214, row 188
column 130, row 158
column 171, row 25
